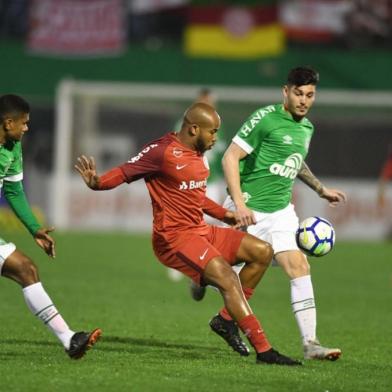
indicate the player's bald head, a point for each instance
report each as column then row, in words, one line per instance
column 203, row 115
column 199, row 127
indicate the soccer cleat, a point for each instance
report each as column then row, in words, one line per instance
column 197, row 292
column 273, row 357
column 314, row 350
column 81, row 342
column 228, row 330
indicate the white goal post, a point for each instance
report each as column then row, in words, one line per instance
column 78, row 105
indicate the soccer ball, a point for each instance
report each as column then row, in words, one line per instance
column 315, row 236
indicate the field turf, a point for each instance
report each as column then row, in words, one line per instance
column 155, row 338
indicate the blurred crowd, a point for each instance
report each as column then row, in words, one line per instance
column 354, row 23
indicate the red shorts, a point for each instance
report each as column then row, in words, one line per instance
column 193, row 251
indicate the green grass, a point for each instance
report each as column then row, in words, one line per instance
column 157, row 339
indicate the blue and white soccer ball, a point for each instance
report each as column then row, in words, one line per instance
column 315, row 236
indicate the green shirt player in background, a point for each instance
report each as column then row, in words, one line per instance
column 260, row 167
column 14, row 118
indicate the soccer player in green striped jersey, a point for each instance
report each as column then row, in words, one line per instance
column 14, row 118
column 260, row 166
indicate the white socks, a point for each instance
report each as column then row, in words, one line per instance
column 42, row 306
column 304, row 307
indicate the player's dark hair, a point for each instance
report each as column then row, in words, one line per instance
column 13, row 105
column 302, row 76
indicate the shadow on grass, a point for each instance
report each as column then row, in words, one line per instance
column 154, row 343
column 14, row 341
column 117, row 341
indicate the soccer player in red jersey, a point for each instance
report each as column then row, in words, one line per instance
column 176, row 171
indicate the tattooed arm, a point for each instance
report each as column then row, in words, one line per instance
column 334, row 196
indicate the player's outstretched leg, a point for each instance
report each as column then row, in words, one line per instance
column 81, row 342
column 303, row 304
column 314, row 350
column 22, row 270
column 220, row 274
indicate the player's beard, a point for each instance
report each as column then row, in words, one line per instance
column 201, row 146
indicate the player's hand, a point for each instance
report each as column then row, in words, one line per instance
column 45, row 241
column 231, row 218
column 245, row 216
column 334, row 196
column 87, row 170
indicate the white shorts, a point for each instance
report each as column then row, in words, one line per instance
column 277, row 228
column 6, row 248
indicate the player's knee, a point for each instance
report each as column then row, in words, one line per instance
column 264, row 252
column 27, row 272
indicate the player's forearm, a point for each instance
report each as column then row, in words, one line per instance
column 14, row 194
column 307, row 177
column 232, row 175
column 213, row 209
column 110, row 180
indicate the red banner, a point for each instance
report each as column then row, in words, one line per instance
column 77, row 27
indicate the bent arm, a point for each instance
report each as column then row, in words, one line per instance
column 230, row 164
column 307, row 177
column 334, row 196
column 214, row 209
column 16, row 198
column 231, row 169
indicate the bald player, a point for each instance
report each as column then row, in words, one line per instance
column 175, row 171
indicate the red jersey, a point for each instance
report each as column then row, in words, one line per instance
column 176, row 178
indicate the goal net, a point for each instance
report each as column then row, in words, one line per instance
column 112, row 121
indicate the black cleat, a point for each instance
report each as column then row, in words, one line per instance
column 273, row 357
column 81, row 342
column 197, row 292
column 228, row 330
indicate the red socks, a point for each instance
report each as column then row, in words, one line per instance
column 248, row 292
column 251, row 327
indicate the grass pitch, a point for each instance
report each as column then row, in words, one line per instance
column 155, row 338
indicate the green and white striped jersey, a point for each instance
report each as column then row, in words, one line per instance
column 276, row 145
column 11, row 162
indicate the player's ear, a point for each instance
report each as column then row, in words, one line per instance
column 7, row 123
column 194, row 129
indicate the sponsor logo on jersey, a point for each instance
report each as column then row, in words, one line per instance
column 180, row 167
column 246, row 196
column 290, row 168
column 287, row 139
column 248, row 127
column 192, row 184
column 142, row 153
column 177, row 152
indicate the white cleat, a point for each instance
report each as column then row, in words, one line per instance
column 313, row 350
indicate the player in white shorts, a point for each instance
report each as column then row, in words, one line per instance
column 260, row 166
column 14, row 118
